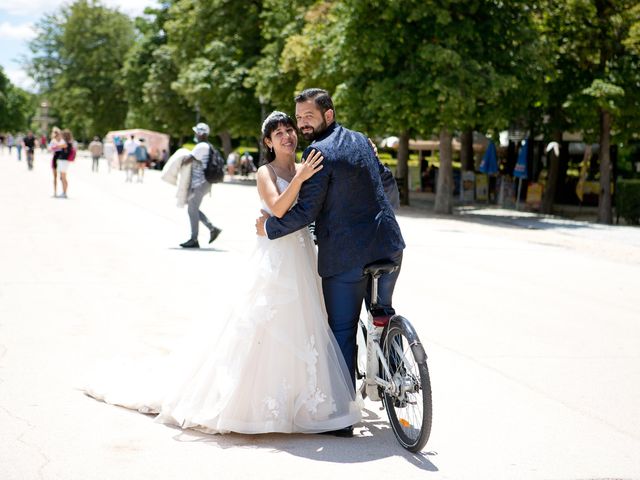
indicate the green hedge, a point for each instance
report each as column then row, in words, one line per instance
column 628, row 201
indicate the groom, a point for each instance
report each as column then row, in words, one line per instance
column 350, row 200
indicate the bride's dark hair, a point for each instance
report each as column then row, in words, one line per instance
column 272, row 122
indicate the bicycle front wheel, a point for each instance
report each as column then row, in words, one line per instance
column 408, row 400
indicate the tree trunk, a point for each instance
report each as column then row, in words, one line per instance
column 225, row 138
column 444, row 189
column 466, row 150
column 604, row 199
column 550, row 187
column 402, row 170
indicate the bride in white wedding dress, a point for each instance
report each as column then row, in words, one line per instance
column 275, row 366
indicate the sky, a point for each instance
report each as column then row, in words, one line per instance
column 16, row 29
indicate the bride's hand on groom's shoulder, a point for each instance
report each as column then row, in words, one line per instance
column 373, row 145
column 260, row 230
column 309, row 166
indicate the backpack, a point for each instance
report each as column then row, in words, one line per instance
column 141, row 153
column 214, row 170
column 71, row 155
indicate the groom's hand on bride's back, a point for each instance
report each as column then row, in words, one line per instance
column 260, row 230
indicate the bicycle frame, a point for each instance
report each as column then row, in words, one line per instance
column 396, row 371
column 375, row 357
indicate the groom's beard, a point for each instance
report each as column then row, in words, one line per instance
column 310, row 136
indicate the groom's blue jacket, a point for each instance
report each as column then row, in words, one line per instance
column 350, row 201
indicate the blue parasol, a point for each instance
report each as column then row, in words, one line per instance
column 520, row 171
column 489, row 163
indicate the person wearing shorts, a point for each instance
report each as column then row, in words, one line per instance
column 56, row 145
column 130, row 147
column 63, row 161
column 142, row 156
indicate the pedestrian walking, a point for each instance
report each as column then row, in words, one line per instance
column 95, row 148
column 199, row 186
column 142, row 156
column 18, row 143
column 56, row 145
column 110, row 154
column 29, row 144
column 67, row 154
column 130, row 161
column 117, row 140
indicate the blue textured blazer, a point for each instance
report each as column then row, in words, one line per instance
column 350, row 200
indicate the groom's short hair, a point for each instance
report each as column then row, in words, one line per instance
column 320, row 96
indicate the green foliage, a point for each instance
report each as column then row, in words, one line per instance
column 595, row 67
column 632, row 42
column 16, row 106
column 275, row 77
column 147, row 75
column 77, row 58
column 215, row 44
column 628, row 201
column 418, row 66
column 407, row 68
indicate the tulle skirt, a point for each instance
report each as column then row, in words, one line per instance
column 274, row 366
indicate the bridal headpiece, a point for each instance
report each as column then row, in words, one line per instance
column 274, row 116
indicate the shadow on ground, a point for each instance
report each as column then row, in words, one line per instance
column 373, row 440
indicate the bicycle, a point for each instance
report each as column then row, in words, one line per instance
column 394, row 369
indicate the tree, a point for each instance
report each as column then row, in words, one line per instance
column 564, row 41
column 421, row 67
column 147, row 76
column 275, row 76
column 608, row 96
column 77, row 58
column 16, row 106
column 215, row 44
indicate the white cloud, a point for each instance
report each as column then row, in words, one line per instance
column 16, row 31
column 23, row 31
column 20, row 78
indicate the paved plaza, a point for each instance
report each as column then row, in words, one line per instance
column 531, row 324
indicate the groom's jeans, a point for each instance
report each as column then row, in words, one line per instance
column 343, row 296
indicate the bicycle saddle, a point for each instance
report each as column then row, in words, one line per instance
column 377, row 269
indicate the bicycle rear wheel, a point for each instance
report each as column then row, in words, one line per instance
column 408, row 402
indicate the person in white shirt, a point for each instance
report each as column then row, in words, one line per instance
column 130, row 163
column 199, row 187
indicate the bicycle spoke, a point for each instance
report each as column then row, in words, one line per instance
column 406, row 399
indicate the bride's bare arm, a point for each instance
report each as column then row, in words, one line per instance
column 280, row 203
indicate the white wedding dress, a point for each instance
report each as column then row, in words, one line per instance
column 274, row 367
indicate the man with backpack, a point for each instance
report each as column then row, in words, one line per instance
column 206, row 166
